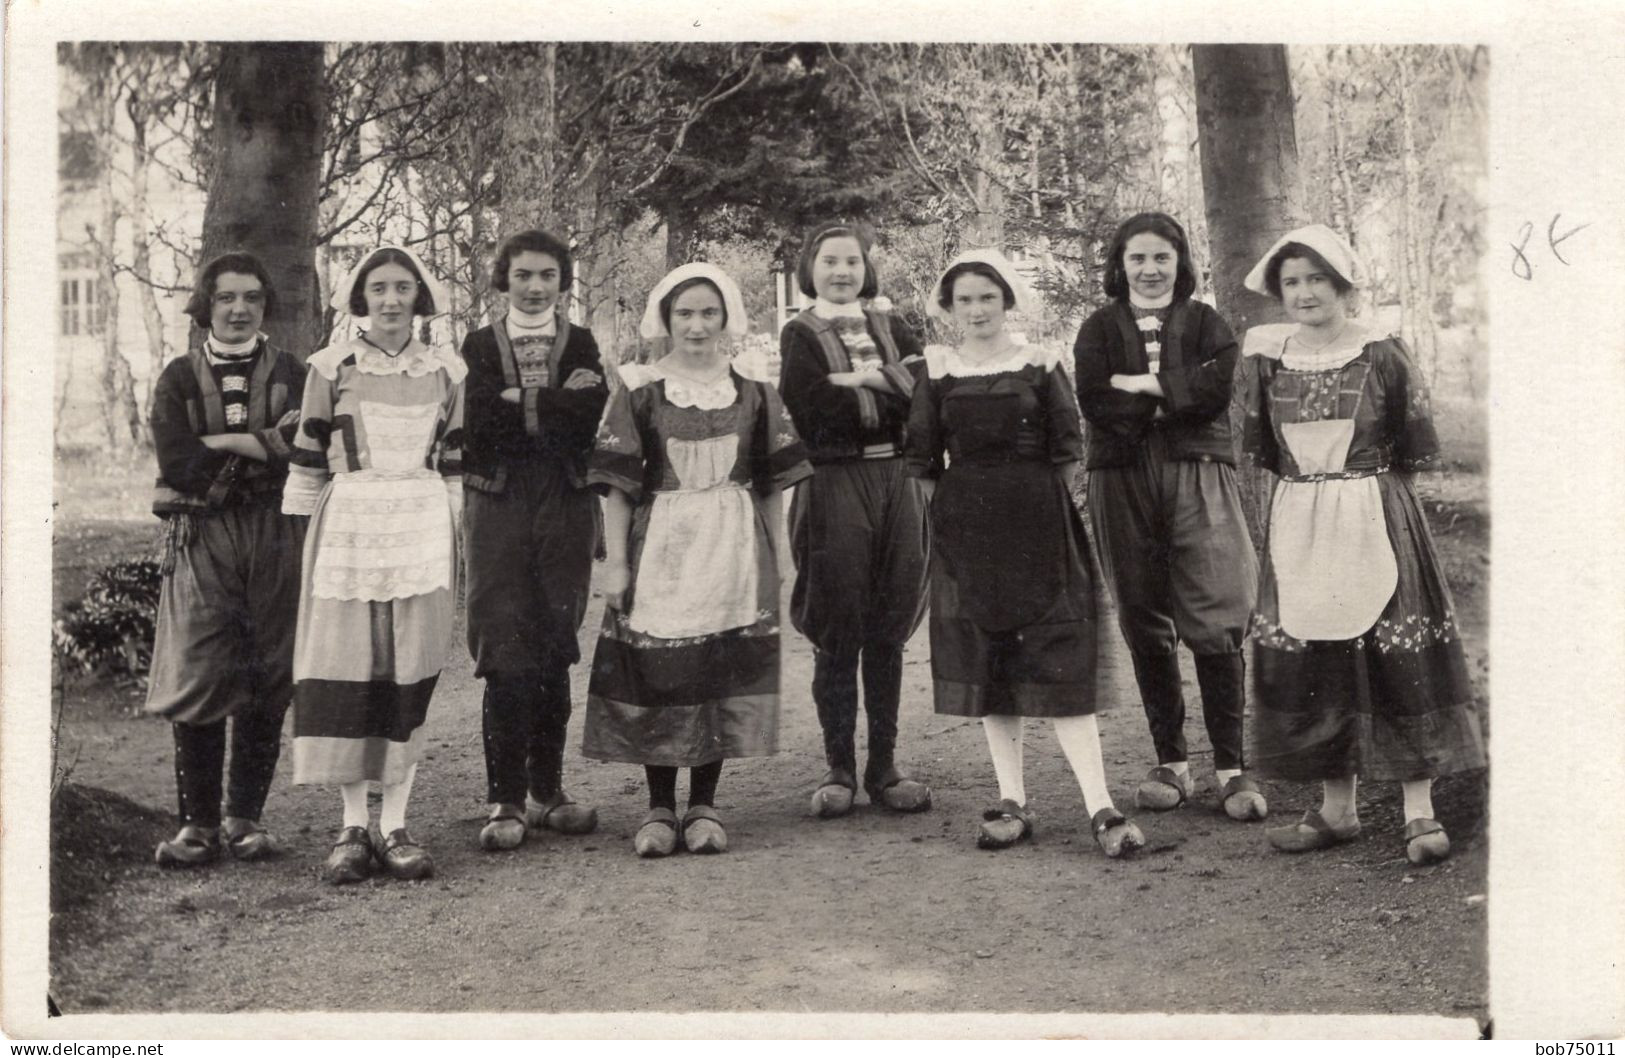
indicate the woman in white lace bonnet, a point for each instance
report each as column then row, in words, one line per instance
column 1015, row 623
column 691, row 458
column 378, row 467
column 1357, row 656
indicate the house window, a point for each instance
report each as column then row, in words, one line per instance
column 79, row 308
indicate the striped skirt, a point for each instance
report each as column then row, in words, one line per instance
column 364, row 669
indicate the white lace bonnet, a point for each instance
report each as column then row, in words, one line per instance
column 1321, row 239
column 1000, row 264
column 732, row 302
column 437, row 290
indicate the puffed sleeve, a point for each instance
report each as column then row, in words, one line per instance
column 1061, row 413
column 779, row 459
column 1257, row 431
column 617, row 459
column 1106, row 407
column 923, row 453
column 1409, row 411
column 307, row 466
column 1201, row 391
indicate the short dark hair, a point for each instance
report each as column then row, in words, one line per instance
column 945, row 289
column 422, row 305
column 533, row 241
column 200, row 306
column 686, row 285
column 1163, row 226
column 1297, row 251
column 809, row 253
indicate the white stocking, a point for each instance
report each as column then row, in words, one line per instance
column 1418, row 799
column 1004, row 744
column 355, row 803
column 393, row 815
column 1079, row 737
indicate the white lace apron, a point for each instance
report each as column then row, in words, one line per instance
column 697, row 574
column 1334, row 565
column 386, row 531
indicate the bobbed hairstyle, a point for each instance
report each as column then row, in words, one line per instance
column 1297, row 251
column 533, row 241
column 809, row 254
column 422, row 305
column 1163, row 226
column 689, row 284
column 945, row 289
column 200, row 306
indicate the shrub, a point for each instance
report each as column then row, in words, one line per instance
column 110, row 630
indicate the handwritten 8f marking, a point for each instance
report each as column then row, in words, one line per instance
column 1521, row 265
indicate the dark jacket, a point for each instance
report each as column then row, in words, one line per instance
column 1199, row 356
column 187, row 406
column 549, row 423
column 836, row 422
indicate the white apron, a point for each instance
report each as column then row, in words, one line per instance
column 697, row 574
column 1334, row 564
column 386, row 531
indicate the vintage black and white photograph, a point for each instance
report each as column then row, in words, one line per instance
column 815, row 527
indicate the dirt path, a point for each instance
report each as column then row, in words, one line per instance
column 872, row 913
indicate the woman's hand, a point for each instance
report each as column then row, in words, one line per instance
column 1143, row 384
column 581, row 378
column 846, row 379
column 615, row 580
column 511, row 394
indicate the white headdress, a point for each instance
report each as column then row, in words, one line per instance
column 732, row 303
column 1025, row 302
column 437, row 289
column 1321, row 239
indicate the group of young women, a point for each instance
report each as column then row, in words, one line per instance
column 940, row 475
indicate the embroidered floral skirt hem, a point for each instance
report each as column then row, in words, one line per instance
column 364, row 668
column 1393, row 704
column 684, row 702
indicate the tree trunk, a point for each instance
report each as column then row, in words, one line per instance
column 1335, row 85
column 986, row 225
column 270, row 111
column 1253, row 193
column 1249, row 166
column 530, row 197
column 1416, row 309
column 121, row 414
column 151, row 316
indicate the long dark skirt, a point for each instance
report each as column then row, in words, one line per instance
column 1016, row 612
column 1392, row 704
column 692, row 701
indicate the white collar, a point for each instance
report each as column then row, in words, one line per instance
column 1342, row 349
column 829, row 310
column 544, row 324
column 944, row 361
column 230, row 350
